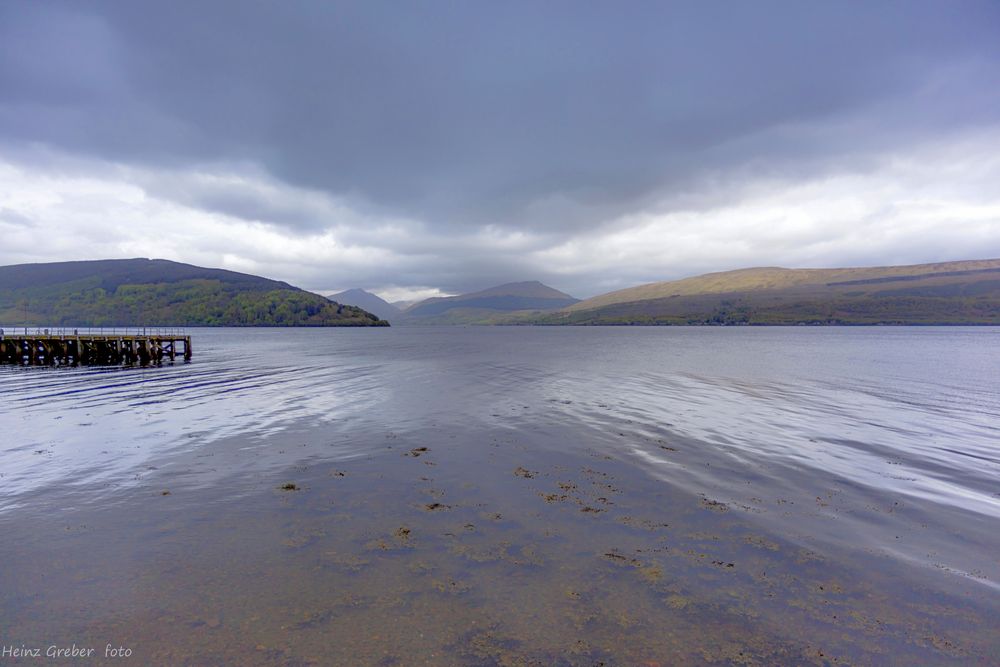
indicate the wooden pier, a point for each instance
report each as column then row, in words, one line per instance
column 99, row 349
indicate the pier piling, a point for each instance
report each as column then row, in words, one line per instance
column 69, row 349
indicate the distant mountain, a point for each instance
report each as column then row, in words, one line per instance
column 370, row 302
column 482, row 307
column 403, row 305
column 158, row 292
column 966, row 292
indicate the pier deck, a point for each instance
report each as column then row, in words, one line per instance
column 43, row 348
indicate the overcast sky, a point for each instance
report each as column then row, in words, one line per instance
column 411, row 147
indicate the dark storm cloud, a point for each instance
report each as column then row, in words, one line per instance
column 459, row 112
column 556, row 118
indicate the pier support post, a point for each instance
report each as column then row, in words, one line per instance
column 57, row 349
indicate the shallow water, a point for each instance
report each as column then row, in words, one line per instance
column 586, row 495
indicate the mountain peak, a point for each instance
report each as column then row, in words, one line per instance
column 368, row 301
column 509, row 297
column 527, row 288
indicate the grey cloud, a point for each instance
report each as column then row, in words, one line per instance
column 246, row 196
column 12, row 217
column 466, row 111
column 552, row 117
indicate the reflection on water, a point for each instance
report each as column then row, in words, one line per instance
column 513, row 496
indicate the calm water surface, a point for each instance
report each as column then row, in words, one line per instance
column 512, row 496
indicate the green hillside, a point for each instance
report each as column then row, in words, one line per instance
column 147, row 292
column 945, row 293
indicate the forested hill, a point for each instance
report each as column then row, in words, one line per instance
column 158, row 292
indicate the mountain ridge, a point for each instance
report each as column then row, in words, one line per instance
column 957, row 292
column 773, row 277
column 159, row 292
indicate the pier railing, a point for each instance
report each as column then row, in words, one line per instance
column 177, row 332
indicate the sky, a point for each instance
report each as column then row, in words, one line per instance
column 419, row 148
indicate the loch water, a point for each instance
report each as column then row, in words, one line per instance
column 512, row 495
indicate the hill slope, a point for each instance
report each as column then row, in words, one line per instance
column 965, row 292
column 479, row 307
column 368, row 301
column 160, row 292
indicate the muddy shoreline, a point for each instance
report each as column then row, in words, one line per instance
column 455, row 552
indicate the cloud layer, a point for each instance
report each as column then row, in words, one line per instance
column 450, row 147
